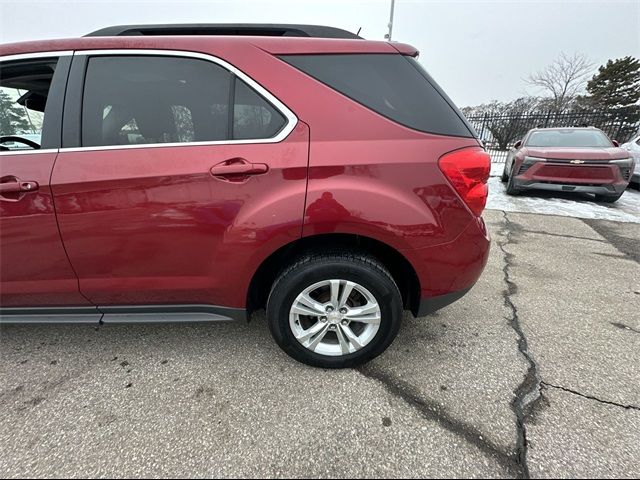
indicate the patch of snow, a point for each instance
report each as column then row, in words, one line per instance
column 496, row 169
column 579, row 205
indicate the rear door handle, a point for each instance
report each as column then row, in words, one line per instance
column 237, row 167
column 15, row 185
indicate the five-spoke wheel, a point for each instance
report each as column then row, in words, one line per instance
column 334, row 310
column 335, row 317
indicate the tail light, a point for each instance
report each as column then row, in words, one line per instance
column 468, row 171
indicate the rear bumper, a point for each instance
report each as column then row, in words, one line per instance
column 447, row 272
column 430, row 305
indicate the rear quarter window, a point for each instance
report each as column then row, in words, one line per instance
column 392, row 85
column 253, row 115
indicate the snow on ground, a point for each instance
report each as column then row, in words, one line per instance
column 580, row 205
column 497, row 168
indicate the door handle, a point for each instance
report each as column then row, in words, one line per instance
column 238, row 168
column 15, row 185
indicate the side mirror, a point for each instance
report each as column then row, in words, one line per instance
column 518, row 144
column 615, row 143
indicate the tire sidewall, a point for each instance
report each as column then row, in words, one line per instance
column 608, row 198
column 511, row 187
column 286, row 289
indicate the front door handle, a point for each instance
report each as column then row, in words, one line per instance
column 237, row 169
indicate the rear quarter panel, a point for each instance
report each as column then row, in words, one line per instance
column 368, row 174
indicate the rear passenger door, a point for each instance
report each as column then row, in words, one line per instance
column 173, row 168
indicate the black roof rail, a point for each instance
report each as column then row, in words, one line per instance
column 251, row 29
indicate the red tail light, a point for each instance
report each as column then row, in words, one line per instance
column 468, row 171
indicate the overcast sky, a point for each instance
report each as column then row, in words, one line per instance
column 477, row 50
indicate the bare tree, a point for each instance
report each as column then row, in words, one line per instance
column 563, row 79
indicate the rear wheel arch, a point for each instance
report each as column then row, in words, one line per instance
column 398, row 265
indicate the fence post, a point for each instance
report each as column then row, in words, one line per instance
column 484, row 119
column 617, row 136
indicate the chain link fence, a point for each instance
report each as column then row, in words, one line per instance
column 500, row 131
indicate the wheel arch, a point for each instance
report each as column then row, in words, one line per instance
column 398, row 265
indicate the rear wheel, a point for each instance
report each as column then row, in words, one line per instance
column 334, row 310
column 608, row 198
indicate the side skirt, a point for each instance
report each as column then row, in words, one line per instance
column 121, row 314
column 50, row 315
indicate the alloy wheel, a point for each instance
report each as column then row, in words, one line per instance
column 335, row 317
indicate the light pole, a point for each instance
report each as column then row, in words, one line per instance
column 388, row 35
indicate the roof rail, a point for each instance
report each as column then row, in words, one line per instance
column 250, row 29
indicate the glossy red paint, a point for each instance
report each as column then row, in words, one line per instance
column 153, row 225
column 35, row 269
column 206, row 44
column 453, row 266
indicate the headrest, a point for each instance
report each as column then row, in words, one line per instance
column 155, row 119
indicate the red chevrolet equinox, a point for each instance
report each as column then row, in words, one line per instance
column 202, row 172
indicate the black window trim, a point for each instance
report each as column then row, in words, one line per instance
column 57, row 91
column 73, row 105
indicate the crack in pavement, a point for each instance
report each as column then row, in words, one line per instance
column 434, row 411
column 589, row 397
column 528, row 392
column 622, row 326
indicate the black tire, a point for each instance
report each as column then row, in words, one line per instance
column 344, row 265
column 504, row 177
column 608, row 198
column 511, row 188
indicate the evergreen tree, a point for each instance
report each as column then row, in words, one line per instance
column 12, row 116
column 614, row 91
column 616, row 85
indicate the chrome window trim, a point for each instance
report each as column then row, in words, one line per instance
column 31, row 151
column 291, row 118
column 27, row 56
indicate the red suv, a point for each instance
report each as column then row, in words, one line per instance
column 202, row 172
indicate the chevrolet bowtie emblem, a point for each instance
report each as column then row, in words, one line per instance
column 577, row 161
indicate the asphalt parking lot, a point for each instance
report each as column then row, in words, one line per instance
column 536, row 372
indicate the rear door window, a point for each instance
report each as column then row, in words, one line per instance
column 392, row 85
column 154, row 99
column 138, row 99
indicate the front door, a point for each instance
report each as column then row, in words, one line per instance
column 34, row 268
